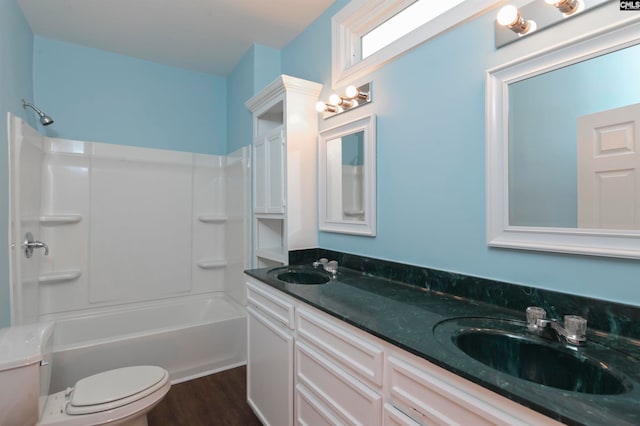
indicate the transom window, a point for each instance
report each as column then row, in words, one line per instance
column 405, row 21
column 366, row 34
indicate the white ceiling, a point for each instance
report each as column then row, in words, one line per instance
column 203, row 35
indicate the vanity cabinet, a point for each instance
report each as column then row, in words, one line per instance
column 395, row 417
column 429, row 394
column 269, row 356
column 285, row 130
column 338, row 374
column 341, row 370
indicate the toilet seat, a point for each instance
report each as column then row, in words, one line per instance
column 115, row 388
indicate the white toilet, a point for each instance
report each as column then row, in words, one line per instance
column 117, row 397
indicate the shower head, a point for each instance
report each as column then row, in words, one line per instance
column 45, row 120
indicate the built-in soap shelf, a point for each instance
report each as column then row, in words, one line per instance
column 60, row 219
column 212, row 264
column 212, row 219
column 352, row 213
column 59, row 277
column 276, row 254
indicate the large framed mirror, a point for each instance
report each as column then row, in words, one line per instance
column 563, row 148
column 347, row 177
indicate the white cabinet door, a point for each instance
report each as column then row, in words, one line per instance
column 269, row 370
column 276, row 172
column 260, row 177
column 269, row 173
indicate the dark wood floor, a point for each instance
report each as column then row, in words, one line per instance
column 218, row 399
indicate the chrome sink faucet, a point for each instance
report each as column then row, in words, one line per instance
column 329, row 266
column 574, row 330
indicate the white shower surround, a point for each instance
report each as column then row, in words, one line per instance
column 135, row 235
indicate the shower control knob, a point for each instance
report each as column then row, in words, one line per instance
column 30, row 244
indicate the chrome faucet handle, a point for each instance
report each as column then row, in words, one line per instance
column 576, row 327
column 321, row 262
column 535, row 315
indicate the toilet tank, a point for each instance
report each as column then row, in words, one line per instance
column 23, row 383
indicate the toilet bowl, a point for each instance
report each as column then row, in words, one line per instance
column 116, row 397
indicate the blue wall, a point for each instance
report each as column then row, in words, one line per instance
column 240, row 88
column 16, row 69
column 258, row 67
column 431, row 165
column 95, row 95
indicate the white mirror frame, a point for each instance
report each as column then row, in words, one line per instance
column 366, row 124
column 613, row 243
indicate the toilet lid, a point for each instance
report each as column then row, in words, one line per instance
column 115, row 388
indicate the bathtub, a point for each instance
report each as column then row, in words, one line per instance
column 189, row 338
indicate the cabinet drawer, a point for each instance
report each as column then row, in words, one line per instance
column 395, row 417
column 433, row 395
column 311, row 412
column 271, row 305
column 354, row 402
column 359, row 356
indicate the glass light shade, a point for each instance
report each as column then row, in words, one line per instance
column 334, row 100
column 320, row 106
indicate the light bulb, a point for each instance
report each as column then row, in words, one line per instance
column 335, row 100
column 567, row 7
column 351, row 91
column 508, row 15
column 320, row 106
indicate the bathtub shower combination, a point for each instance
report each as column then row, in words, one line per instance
column 146, row 250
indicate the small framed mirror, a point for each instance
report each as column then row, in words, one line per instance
column 563, row 157
column 347, row 177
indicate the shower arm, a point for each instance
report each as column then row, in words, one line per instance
column 32, row 106
column 45, row 120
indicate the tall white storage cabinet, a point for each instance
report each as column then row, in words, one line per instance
column 285, row 130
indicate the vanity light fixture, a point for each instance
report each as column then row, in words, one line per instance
column 353, row 98
column 567, row 7
column 511, row 25
column 343, row 102
column 509, row 16
column 322, row 107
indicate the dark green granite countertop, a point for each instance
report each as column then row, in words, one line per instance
column 406, row 315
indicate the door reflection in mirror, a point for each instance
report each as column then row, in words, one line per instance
column 345, row 177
